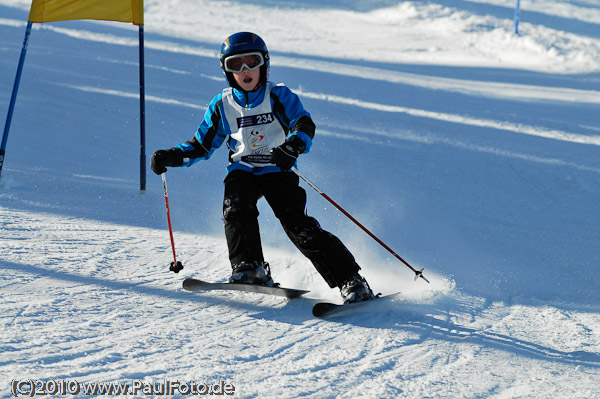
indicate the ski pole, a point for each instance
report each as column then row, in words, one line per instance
column 175, row 265
column 418, row 273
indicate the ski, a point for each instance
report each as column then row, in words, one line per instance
column 327, row 309
column 192, row 284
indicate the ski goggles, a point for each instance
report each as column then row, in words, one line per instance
column 237, row 63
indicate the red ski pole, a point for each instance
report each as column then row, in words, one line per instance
column 418, row 273
column 175, row 265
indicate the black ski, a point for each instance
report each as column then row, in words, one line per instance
column 326, row 309
column 192, row 284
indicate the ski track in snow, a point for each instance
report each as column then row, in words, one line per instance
column 495, row 191
column 89, row 323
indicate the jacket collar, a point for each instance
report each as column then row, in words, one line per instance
column 249, row 99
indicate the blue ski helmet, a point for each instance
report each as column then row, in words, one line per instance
column 240, row 43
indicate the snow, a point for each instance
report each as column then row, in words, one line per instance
column 471, row 151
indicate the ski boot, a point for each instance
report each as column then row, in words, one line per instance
column 252, row 273
column 356, row 289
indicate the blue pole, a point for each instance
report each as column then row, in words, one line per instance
column 13, row 97
column 142, row 115
column 517, row 18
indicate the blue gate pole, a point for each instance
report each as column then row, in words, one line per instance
column 13, row 97
column 517, row 18
column 142, row 114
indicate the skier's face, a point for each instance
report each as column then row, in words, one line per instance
column 246, row 79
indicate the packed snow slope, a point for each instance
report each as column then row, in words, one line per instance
column 471, row 151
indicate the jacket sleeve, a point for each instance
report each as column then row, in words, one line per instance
column 291, row 114
column 210, row 134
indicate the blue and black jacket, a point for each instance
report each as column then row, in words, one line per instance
column 214, row 129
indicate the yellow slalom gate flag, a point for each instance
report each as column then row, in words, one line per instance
column 107, row 10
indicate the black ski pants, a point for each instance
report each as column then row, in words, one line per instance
column 288, row 201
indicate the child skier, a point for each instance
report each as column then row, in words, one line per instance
column 265, row 128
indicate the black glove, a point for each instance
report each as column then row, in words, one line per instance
column 286, row 154
column 162, row 158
